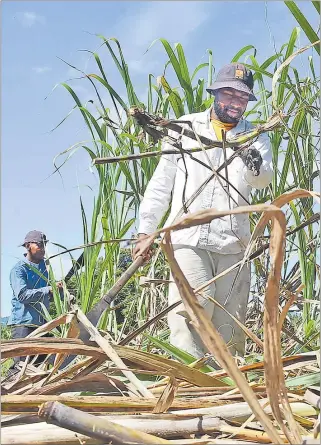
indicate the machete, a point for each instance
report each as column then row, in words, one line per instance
column 104, row 303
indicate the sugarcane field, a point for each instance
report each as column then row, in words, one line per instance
column 172, row 292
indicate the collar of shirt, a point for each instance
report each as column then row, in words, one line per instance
column 218, row 126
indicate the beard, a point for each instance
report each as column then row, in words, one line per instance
column 221, row 113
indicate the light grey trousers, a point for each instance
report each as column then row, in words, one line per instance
column 199, row 266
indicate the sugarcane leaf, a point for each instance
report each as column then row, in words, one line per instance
column 242, row 51
column 303, row 22
column 303, row 381
column 177, row 353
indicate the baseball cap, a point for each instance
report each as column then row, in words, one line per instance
column 234, row 75
column 34, row 236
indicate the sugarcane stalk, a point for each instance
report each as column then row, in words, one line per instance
column 169, row 426
column 147, row 154
column 92, row 426
column 30, row 403
column 150, row 122
column 182, row 405
column 154, row 154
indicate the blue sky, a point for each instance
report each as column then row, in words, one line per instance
column 35, row 34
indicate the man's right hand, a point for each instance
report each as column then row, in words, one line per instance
column 59, row 285
column 139, row 245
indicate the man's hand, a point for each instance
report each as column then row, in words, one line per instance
column 252, row 159
column 60, row 287
column 141, row 244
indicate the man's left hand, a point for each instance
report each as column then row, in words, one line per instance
column 252, row 159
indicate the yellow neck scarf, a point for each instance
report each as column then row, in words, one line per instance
column 219, row 126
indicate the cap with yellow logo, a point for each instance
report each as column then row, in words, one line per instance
column 234, row 75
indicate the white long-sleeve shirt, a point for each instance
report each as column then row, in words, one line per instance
column 226, row 235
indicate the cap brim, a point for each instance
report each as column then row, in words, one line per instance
column 25, row 242
column 240, row 86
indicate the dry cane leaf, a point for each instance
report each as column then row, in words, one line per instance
column 280, row 201
column 275, row 382
column 52, row 324
column 112, row 354
column 73, row 332
column 274, row 372
column 297, row 360
column 73, row 369
column 287, row 306
column 41, row 330
column 214, row 342
column 166, row 398
column 95, row 382
column 160, row 365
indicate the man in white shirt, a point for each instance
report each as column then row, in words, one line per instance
column 202, row 252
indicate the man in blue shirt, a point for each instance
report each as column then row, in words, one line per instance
column 29, row 283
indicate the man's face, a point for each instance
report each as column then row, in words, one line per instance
column 36, row 250
column 230, row 105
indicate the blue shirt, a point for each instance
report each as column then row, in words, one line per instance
column 29, row 290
